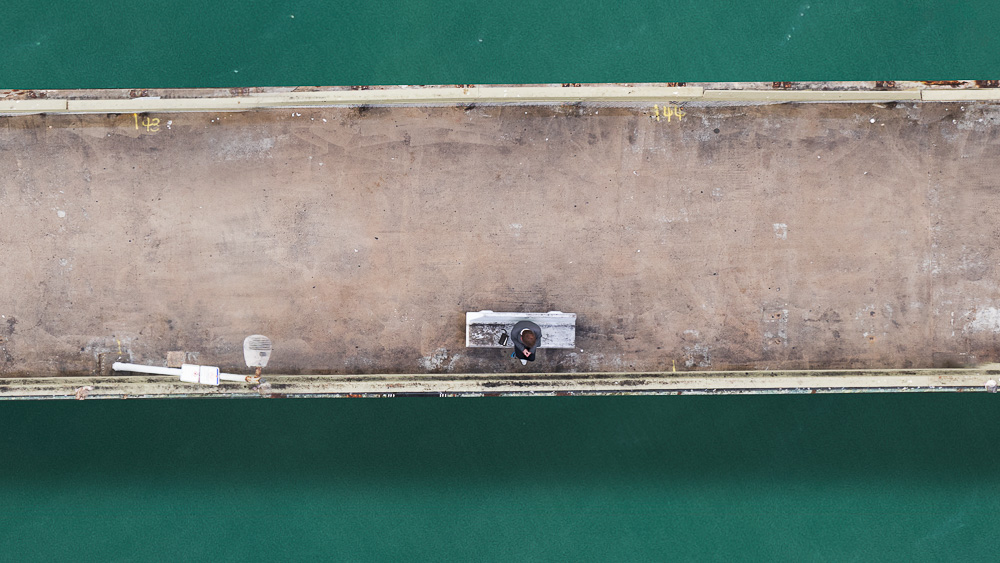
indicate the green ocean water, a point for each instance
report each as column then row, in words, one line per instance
column 192, row 43
column 839, row 477
column 792, row 478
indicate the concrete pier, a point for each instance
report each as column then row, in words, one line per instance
column 731, row 236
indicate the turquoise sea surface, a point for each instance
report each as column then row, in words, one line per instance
column 809, row 477
column 191, row 43
column 806, row 477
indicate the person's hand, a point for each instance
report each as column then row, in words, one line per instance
column 527, row 352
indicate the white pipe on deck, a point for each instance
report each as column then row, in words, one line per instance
column 138, row 368
column 232, row 377
column 119, row 366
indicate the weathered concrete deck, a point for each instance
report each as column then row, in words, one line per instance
column 789, row 236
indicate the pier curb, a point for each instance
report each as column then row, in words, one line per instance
column 15, row 102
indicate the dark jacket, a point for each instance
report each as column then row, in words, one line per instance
column 515, row 336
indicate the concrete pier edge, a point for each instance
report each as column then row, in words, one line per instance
column 15, row 102
column 982, row 379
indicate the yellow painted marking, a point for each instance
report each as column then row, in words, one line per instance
column 152, row 125
column 668, row 111
column 119, row 346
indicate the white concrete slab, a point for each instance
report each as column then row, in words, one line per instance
column 483, row 328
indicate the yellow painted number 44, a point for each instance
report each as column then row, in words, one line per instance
column 668, row 111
